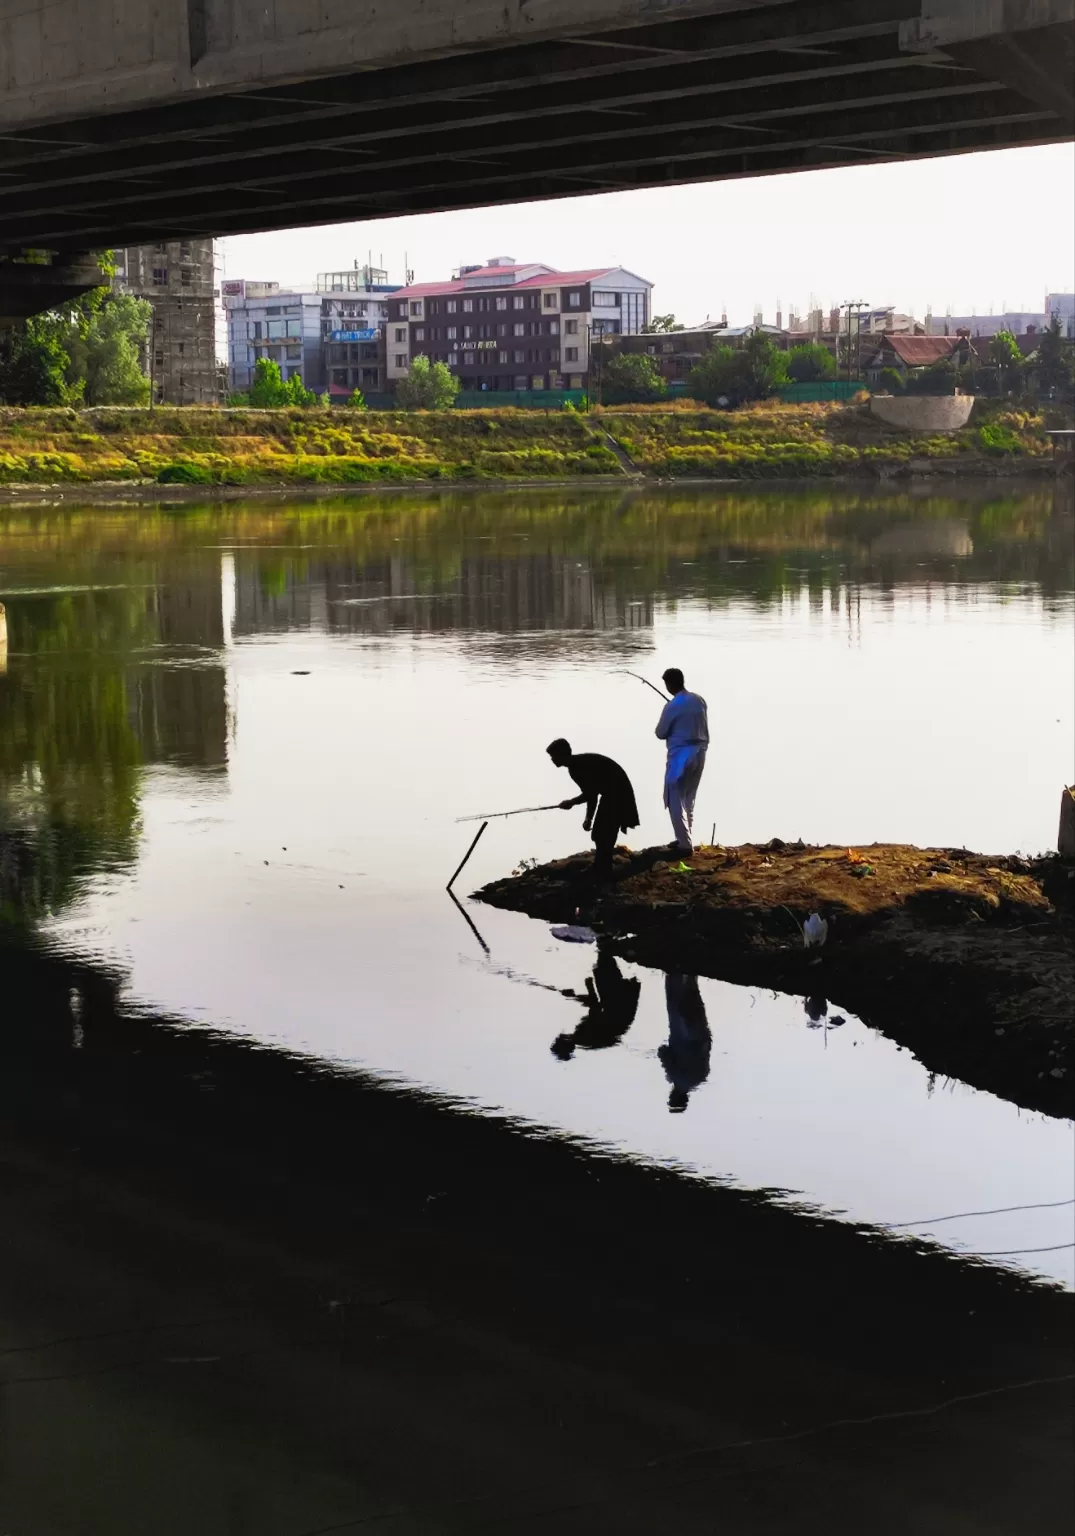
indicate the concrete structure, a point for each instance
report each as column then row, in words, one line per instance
column 923, row 413
column 510, row 326
column 1019, row 321
column 125, row 122
column 179, row 279
column 330, row 336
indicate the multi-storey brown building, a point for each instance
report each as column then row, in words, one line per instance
column 508, row 326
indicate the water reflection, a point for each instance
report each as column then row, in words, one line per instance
column 611, row 1002
column 685, row 1054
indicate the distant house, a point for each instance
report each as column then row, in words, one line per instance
column 908, row 354
column 677, row 353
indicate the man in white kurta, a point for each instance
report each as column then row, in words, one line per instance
column 684, row 728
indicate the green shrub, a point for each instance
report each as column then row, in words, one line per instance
column 180, row 473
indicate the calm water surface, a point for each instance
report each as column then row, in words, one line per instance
column 234, row 744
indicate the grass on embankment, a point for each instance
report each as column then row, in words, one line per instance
column 296, row 447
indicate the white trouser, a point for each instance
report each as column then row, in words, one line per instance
column 682, row 777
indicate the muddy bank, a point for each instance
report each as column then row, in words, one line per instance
column 965, row 959
column 335, row 1303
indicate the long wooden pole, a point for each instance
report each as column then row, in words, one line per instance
column 467, row 855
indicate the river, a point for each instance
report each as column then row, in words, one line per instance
column 235, row 743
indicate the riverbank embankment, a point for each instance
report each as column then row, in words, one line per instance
column 139, row 451
column 964, row 959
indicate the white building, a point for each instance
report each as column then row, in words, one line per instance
column 299, row 329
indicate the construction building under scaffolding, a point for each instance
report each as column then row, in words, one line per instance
column 181, row 282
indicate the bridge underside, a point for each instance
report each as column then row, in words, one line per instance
column 780, row 87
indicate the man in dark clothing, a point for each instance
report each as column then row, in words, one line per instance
column 607, row 796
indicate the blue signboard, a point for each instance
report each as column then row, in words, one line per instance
column 352, row 335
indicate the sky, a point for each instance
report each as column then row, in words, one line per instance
column 975, row 233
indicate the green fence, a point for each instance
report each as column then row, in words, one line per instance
column 821, row 389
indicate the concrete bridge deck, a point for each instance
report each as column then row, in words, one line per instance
column 128, row 121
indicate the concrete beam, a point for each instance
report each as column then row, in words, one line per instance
column 944, row 22
column 61, row 59
column 29, row 288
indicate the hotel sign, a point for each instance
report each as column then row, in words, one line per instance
column 353, row 335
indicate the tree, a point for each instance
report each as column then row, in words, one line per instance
column 661, row 325
column 810, row 362
column 891, row 379
column 631, row 378
column 33, row 365
column 1006, row 357
column 730, row 376
column 1056, row 358
column 105, row 345
column 427, row 387
column 268, row 389
column 357, row 400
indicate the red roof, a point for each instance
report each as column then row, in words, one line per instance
column 920, row 351
column 550, row 278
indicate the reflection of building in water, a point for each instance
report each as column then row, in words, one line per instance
column 178, row 698
column 501, row 594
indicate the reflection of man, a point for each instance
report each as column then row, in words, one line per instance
column 611, row 1004
column 684, row 727
column 685, row 1056
column 607, row 795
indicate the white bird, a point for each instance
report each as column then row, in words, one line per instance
column 815, row 930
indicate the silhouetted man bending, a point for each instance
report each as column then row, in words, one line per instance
column 607, row 796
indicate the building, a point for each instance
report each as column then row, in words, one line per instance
column 510, row 326
column 907, row 354
column 1020, row 322
column 677, row 353
column 179, row 279
column 330, row 336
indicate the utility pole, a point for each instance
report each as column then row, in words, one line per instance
column 856, row 306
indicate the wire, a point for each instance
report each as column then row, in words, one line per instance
column 1000, row 1253
column 1000, row 1210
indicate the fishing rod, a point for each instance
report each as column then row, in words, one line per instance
column 498, row 815
column 660, row 694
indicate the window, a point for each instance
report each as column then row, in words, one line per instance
column 419, row 333
column 468, row 306
column 401, row 359
column 576, row 381
column 538, row 381
column 502, row 301
column 401, row 311
column 293, row 328
column 574, row 300
column 453, row 359
column 401, row 333
column 518, row 329
column 294, row 354
column 502, row 357
column 483, row 305
column 571, row 354
column 520, row 379
column 468, row 359
column 434, row 306
column 416, row 306
column 276, row 311
column 549, row 300
column 571, row 327
column 277, row 330
column 554, row 327
column 519, row 357
column 186, row 276
column 451, row 306
column 518, row 300
column 468, row 332
column 606, row 299
column 256, row 330
column 453, row 332
column 160, row 277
